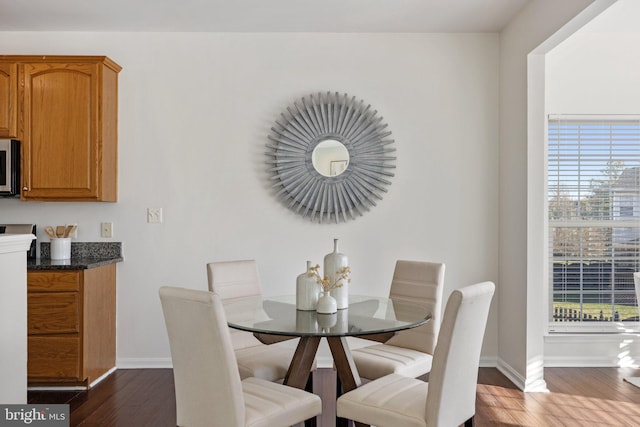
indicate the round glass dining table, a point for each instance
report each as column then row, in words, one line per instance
column 375, row 317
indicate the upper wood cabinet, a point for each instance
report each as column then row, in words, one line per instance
column 8, row 100
column 67, row 124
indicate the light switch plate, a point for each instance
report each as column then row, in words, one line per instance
column 106, row 229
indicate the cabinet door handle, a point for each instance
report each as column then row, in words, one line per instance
column 25, row 188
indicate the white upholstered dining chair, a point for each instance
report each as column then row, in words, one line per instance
column 208, row 388
column 409, row 352
column 449, row 398
column 237, row 279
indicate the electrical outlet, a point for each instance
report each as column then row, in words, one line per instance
column 106, row 229
column 154, row 215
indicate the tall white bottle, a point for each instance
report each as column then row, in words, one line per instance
column 333, row 262
column 307, row 290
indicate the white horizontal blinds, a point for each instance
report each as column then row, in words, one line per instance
column 594, row 217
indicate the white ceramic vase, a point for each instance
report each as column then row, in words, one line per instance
column 307, row 289
column 326, row 304
column 333, row 262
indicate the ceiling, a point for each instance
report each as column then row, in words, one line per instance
column 259, row 15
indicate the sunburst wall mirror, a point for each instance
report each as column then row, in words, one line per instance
column 330, row 157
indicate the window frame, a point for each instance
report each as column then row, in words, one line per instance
column 591, row 326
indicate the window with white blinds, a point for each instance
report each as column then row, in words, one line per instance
column 593, row 199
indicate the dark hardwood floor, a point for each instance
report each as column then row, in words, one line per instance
column 577, row 397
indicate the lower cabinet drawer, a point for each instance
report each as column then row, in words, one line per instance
column 53, row 313
column 54, row 357
column 50, row 281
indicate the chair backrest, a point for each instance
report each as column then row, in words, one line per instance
column 207, row 382
column 454, row 373
column 423, row 283
column 236, row 279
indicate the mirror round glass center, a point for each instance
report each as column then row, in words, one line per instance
column 330, row 158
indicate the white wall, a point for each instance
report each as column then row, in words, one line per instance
column 596, row 71
column 520, row 338
column 195, row 110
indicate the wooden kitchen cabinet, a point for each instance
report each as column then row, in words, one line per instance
column 8, row 100
column 67, row 122
column 71, row 325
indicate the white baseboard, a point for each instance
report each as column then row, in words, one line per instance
column 511, row 374
column 74, row 388
column 144, row 363
column 58, row 388
column 537, row 386
column 103, row 376
column 488, row 361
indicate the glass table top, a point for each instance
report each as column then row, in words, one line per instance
column 366, row 315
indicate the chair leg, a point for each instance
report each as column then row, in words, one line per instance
column 470, row 422
column 309, row 386
column 311, row 422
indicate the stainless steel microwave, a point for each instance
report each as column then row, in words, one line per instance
column 9, row 167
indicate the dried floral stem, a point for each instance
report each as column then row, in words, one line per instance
column 327, row 285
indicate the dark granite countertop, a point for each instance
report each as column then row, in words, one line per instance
column 81, row 263
column 84, row 255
